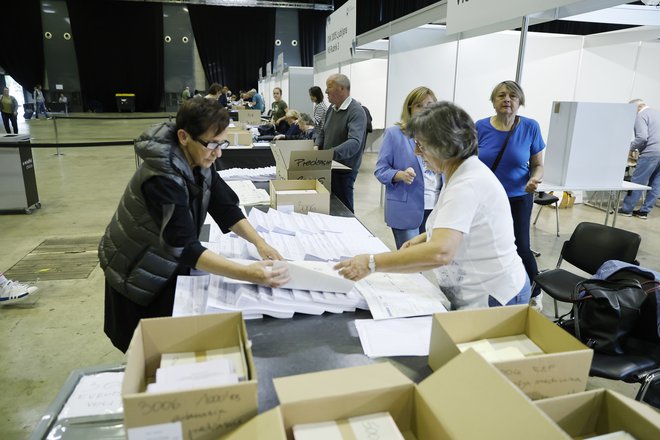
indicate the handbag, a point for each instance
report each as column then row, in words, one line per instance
column 606, row 312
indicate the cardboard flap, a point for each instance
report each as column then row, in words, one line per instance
column 310, row 160
column 302, row 387
column 267, row 425
column 602, row 411
column 478, row 402
column 539, row 328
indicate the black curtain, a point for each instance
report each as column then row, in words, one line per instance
column 374, row 13
column 576, row 27
column 311, row 33
column 21, row 33
column 119, row 48
column 233, row 58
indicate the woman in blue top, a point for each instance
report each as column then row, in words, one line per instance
column 411, row 190
column 520, row 168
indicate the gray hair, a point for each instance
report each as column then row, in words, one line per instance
column 637, row 102
column 341, row 80
column 447, row 130
column 512, row 87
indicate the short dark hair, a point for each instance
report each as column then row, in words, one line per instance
column 215, row 89
column 199, row 115
column 317, row 93
column 448, row 131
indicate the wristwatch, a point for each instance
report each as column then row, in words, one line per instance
column 372, row 263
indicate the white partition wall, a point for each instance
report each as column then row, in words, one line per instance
column 296, row 82
column 419, row 57
column 646, row 84
column 368, row 85
column 606, row 73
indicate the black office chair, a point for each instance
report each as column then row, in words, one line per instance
column 590, row 245
column 544, row 199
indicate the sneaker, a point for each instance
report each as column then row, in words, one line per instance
column 640, row 214
column 13, row 292
column 536, row 302
column 624, row 213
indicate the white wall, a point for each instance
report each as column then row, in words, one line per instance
column 368, row 85
column 419, row 57
column 645, row 84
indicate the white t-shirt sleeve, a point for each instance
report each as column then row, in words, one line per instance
column 457, row 208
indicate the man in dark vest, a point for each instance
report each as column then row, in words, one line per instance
column 345, row 132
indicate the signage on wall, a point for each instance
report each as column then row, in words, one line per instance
column 340, row 34
column 465, row 15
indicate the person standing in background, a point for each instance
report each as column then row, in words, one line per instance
column 39, row 102
column 185, row 95
column 647, row 170
column 345, row 133
column 512, row 147
column 278, row 111
column 316, row 96
column 411, row 190
column 9, row 111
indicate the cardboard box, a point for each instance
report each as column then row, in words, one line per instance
column 298, row 160
column 563, row 369
column 249, row 117
column 598, row 412
column 282, row 193
column 238, row 137
column 200, row 414
column 466, row 399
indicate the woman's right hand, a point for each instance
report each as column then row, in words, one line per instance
column 268, row 273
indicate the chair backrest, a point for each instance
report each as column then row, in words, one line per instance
column 592, row 244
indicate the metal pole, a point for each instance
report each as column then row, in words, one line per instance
column 521, row 49
column 57, row 140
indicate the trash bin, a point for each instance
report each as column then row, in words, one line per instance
column 125, row 102
column 17, row 177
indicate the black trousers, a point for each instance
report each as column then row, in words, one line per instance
column 6, row 117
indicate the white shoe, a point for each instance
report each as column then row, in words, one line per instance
column 536, row 302
column 14, row 292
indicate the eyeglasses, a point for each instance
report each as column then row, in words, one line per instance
column 214, row 145
column 419, row 145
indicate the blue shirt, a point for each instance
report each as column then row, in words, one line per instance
column 513, row 169
column 259, row 103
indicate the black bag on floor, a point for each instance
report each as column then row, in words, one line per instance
column 607, row 311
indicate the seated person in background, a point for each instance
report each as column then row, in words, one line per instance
column 214, row 92
column 255, row 101
column 301, row 129
column 223, row 96
column 469, row 241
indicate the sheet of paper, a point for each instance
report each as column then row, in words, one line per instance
column 94, row 395
column 308, row 275
column 400, row 295
column 163, row 431
column 191, row 295
column 395, row 337
column 248, row 194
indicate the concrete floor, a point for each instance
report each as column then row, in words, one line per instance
column 79, row 191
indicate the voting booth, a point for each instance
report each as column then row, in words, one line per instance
column 588, row 143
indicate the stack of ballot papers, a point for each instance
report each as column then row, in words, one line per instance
column 248, row 194
column 190, row 370
column 263, row 174
column 379, row 426
column 506, row 348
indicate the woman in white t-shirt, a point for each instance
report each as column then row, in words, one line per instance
column 469, row 242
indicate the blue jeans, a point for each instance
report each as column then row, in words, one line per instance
column 647, row 172
column 521, row 211
column 403, row 235
column 40, row 107
column 521, row 298
column 342, row 187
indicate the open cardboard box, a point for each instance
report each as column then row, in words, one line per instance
column 298, row 160
column 563, row 369
column 281, row 194
column 599, row 412
column 199, row 414
column 466, row 399
column 249, row 117
column 237, row 137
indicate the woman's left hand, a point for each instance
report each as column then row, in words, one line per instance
column 354, row 268
column 267, row 252
column 532, row 185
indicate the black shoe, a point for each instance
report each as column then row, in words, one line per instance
column 640, row 214
column 624, row 213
